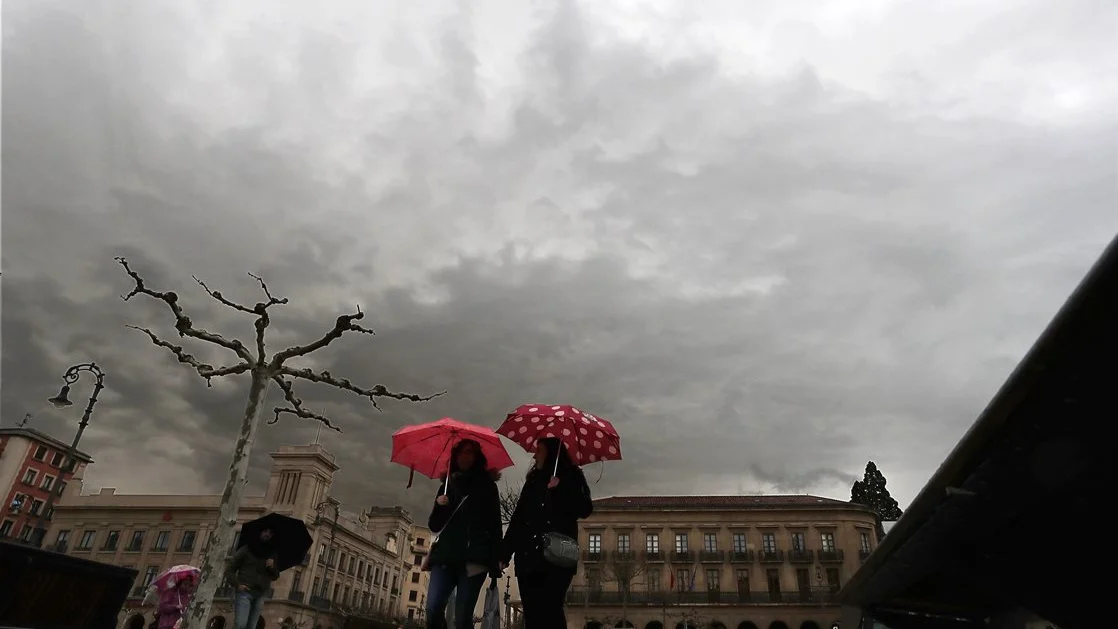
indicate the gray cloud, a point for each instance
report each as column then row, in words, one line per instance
column 766, row 254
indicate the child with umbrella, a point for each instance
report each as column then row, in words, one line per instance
column 172, row 591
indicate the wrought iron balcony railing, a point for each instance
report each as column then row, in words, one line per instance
column 295, row 596
column 656, row 556
column 771, row 556
column 863, row 554
column 741, row 556
column 712, row 556
column 593, row 555
column 599, row 597
column 830, row 556
column 683, row 557
column 801, row 556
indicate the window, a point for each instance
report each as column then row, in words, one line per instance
column 36, row 506
column 111, row 540
column 314, row 588
column 296, row 581
column 594, row 578
column 395, row 581
column 352, row 565
column 48, row 482
column 63, row 537
column 827, row 542
column 345, row 595
column 773, row 578
column 40, row 453
column 652, row 543
column 654, row 580
column 768, row 542
column 798, row 542
column 137, row 541
column 361, row 567
column 415, row 577
column 710, row 542
column 594, row 544
column 149, row 575
column 162, row 540
column 186, row 544
column 337, row 590
column 376, row 579
column 25, row 533
column 420, row 541
column 60, row 487
column 833, row 578
column 416, row 560
column 739, row 543
column 86, row 542
column 17, row 503
column 683, row 575
column 6, row 528
column 29, row 476
column 682, row 544
column 803, row 580
column 56, row 460
column 742, row 578
column 623, row 543
column 714, row 580
column 864, row 541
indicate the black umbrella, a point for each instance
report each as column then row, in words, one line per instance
column 290, row 538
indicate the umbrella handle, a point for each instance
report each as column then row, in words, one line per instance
column 411, row 477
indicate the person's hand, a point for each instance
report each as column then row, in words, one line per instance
column 442, row 500
column 553, row 483
column 270, row 563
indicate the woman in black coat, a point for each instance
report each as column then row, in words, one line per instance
column 467, row 518
column 549, row 503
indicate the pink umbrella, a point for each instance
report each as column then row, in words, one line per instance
column 174, row 575
column 588, row 438
column 426, row 448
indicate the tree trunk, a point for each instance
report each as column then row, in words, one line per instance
column 213, row 562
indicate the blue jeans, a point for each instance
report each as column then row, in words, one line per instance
column 445, row 580
column 246, row 610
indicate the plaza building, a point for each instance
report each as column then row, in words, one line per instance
column 32, row 467
column 717, row 562
column 356, row 569
column 415, row 590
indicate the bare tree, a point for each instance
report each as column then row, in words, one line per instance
column 624, row 568
column 509, row 497
column 264, row 370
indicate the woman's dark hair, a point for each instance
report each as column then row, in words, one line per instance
column 480, row 462
column 555, row 449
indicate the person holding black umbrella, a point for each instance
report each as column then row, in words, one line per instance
column 251, row 571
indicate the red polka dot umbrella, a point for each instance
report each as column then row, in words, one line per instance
column 588, row 438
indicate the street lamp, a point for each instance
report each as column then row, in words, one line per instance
column 62, row 400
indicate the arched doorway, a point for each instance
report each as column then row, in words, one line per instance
column 624, row 624
column 655, row 624
column 716, row 625
column 217, row 622
column 778, row 624
column 135, row 621
column 745, row 624
column 809, row 624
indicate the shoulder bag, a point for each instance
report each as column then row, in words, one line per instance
column 425, row 565
column 558, row 550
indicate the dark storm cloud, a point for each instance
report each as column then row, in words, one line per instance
column 764, row 278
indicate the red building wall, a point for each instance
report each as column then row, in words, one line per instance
column 14, row 518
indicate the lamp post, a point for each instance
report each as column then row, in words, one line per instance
column 62, row 400
column 320, row 507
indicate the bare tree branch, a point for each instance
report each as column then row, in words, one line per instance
column 509, row 497
column 377, row 391
column 296, row 407
column 344, row 323
column 203, row 369
column 260, row 309
column 183, row 324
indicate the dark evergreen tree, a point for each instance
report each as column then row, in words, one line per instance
column 871, row 492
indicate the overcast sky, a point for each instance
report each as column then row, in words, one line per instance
column 770, row 240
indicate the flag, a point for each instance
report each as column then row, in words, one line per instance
column 691, row 585
column 671, row 579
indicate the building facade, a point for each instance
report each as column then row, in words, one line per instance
column 31, row 468
column 416, row 588
column 358, row 564
column 718, row 562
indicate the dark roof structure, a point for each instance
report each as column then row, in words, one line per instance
column 1000, row 526
column 719, row 503
column 44, row 438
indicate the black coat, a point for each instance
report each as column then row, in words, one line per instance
column 541, row 510
column 473, row 534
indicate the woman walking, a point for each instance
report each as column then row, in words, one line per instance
column 467, row 518
column 554, row 498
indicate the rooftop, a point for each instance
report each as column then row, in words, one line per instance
column 716, row 502
column 44, row 438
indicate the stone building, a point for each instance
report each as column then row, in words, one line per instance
column 415, row 589
column 357, row 566
column 718, row 562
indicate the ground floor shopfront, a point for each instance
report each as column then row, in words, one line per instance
column 706, row 617
column 278, row 614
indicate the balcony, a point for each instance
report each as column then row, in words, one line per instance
column 741, row 556
column 598, row 597
column 863, row 554
column 654, row 557
column 801, row 556
column 712, row 556
column 830, row 556
column 623, row 556
column 61, row 547
column 771, row 556
column 592, row 556
column 319, row 602
column 683, row 557
column 295, row 596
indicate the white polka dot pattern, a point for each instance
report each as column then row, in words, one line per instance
column 588, row 438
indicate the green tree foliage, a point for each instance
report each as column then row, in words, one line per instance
column 871, row 492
